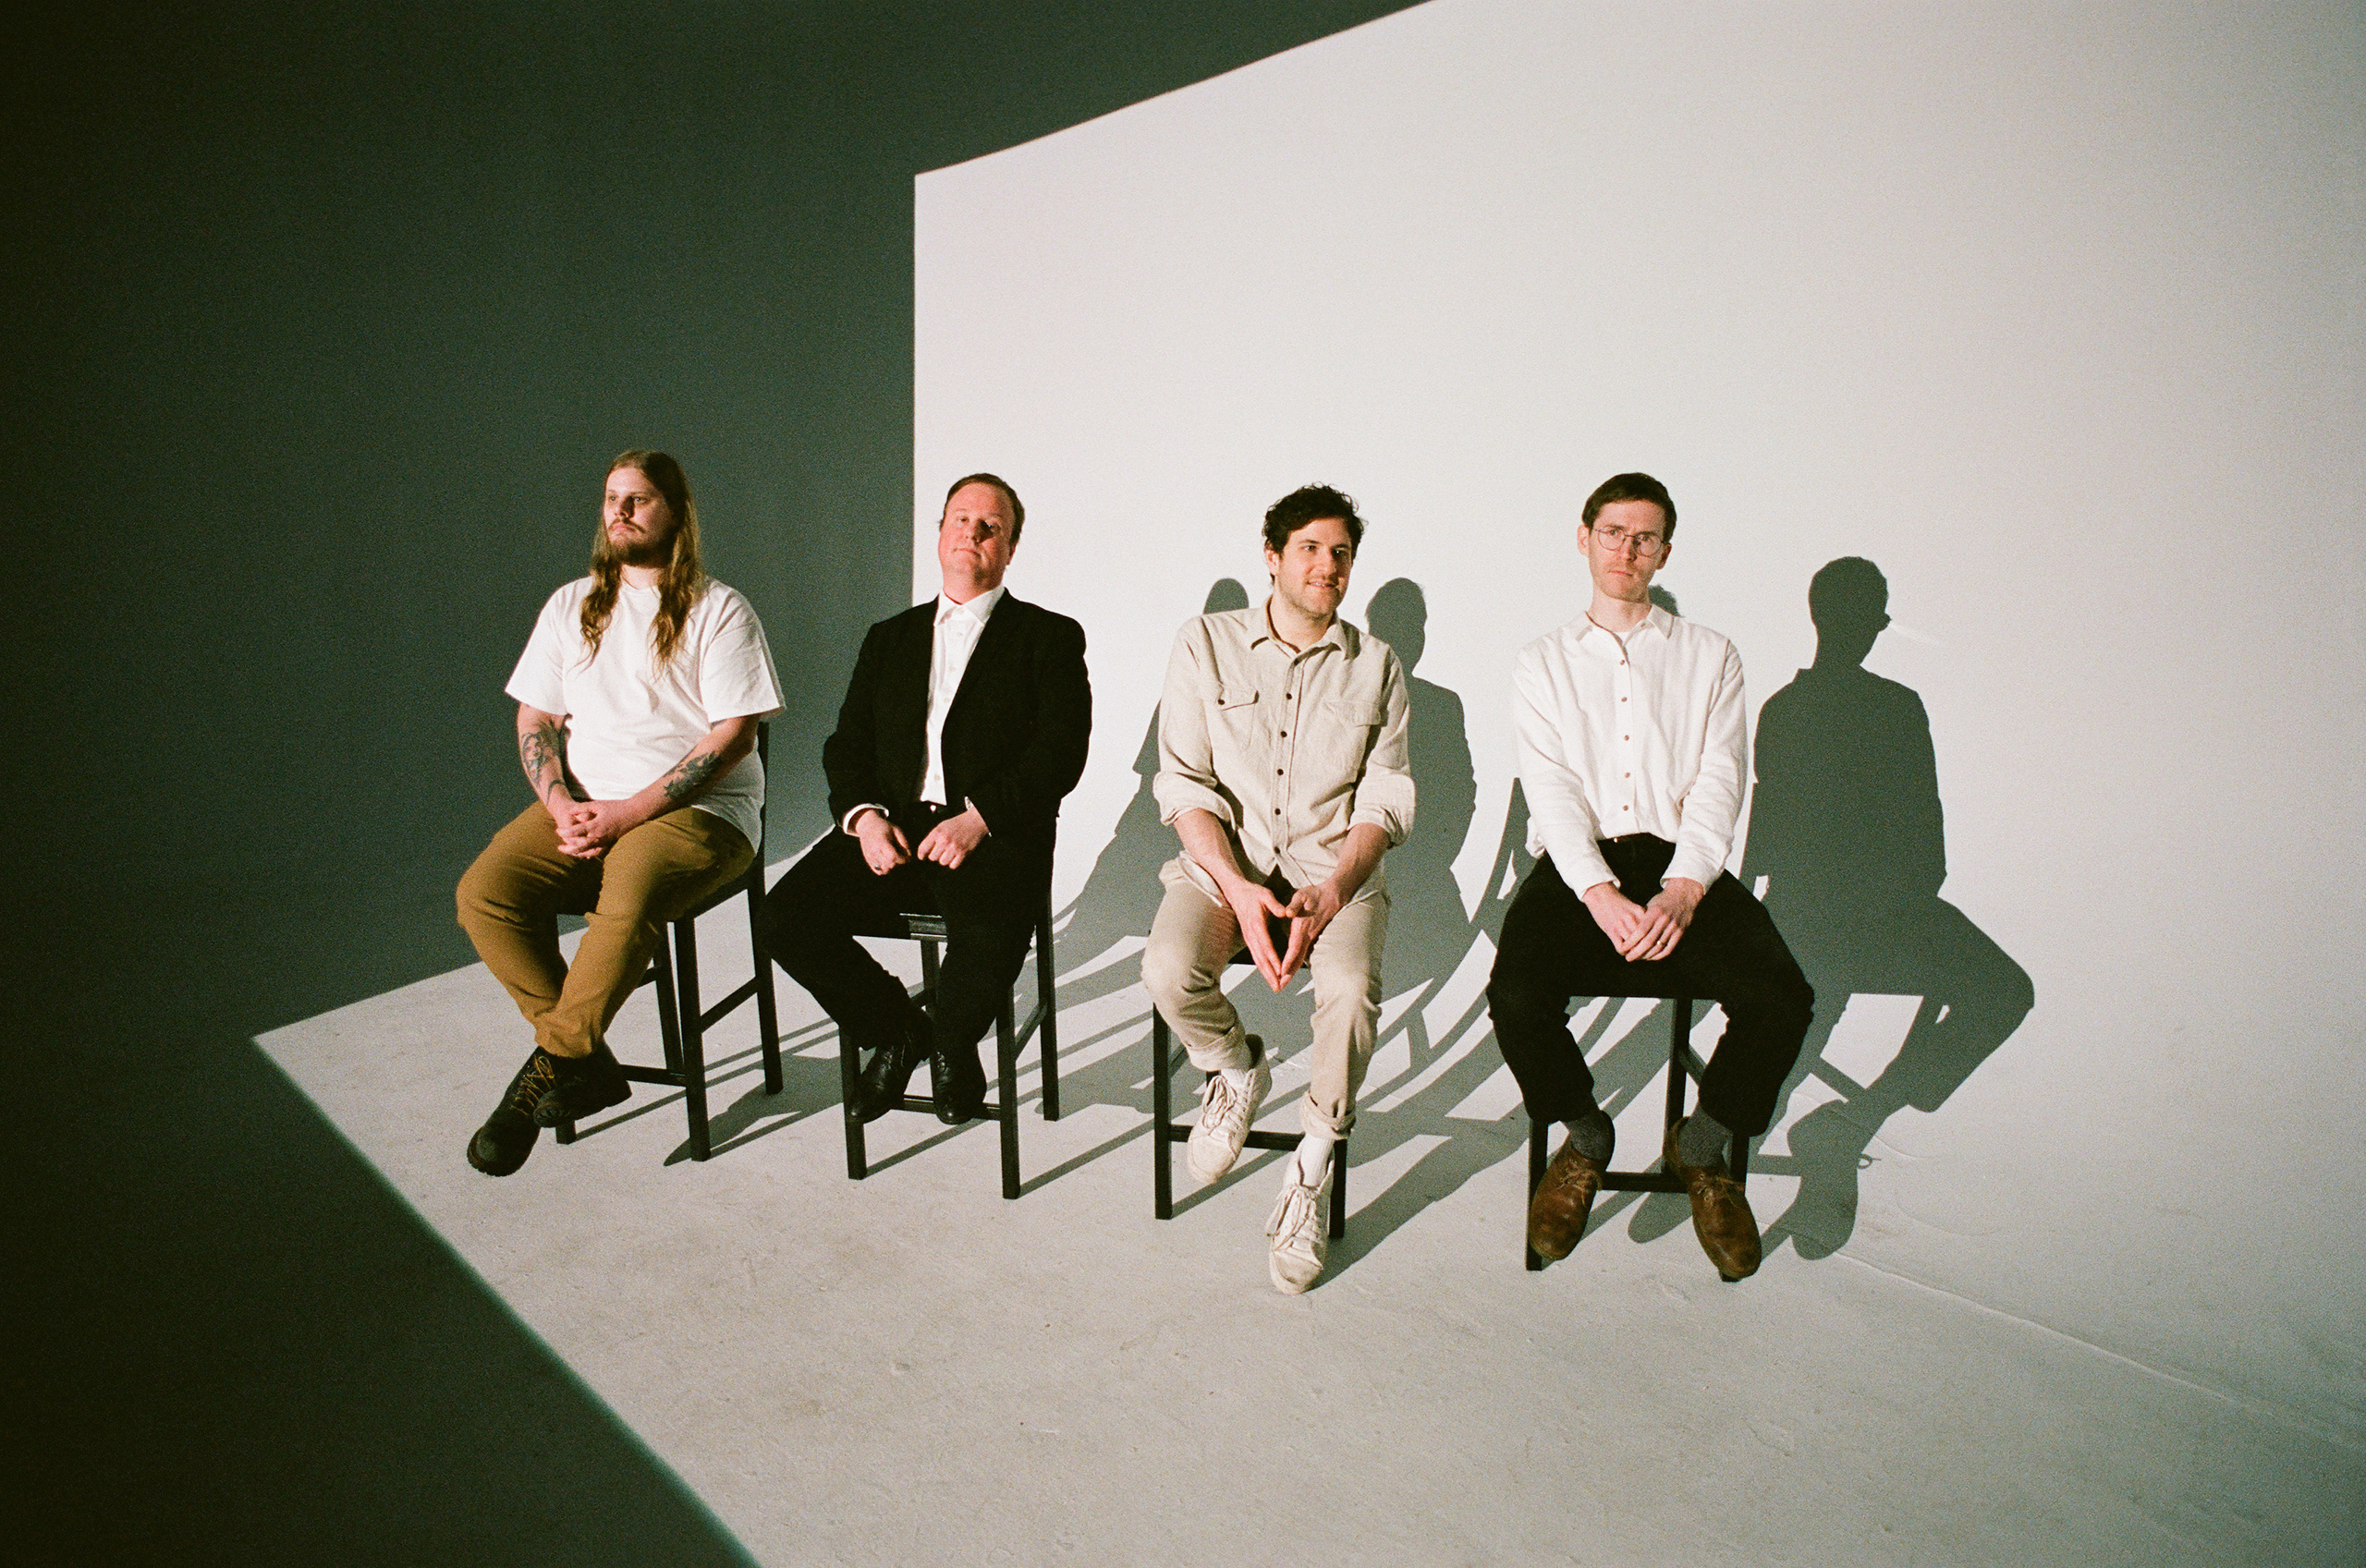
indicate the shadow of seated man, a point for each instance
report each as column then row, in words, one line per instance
column 1848, row 830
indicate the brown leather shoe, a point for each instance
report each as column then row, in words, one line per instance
column 1721, row 1215
column 1556, row 1214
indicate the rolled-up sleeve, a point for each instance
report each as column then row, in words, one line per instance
column 1384, row 794
column 1187, row 775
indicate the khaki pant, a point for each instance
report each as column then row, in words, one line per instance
column 510, row 901
column 1183, row 970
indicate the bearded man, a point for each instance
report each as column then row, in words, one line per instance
column 638, row 699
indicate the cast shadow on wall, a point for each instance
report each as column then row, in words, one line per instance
column 1848, row 832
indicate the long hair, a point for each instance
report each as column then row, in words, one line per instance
column 680, row 582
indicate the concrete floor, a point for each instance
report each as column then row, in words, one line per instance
column 911, row 1370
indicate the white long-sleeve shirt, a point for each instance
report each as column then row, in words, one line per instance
column 1641, row 735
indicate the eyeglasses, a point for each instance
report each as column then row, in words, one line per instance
column 1617, row 540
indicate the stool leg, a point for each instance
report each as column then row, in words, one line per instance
column 669, row 1006
column 693, row 1053
column 1006, row 1067
column 851, row 1091
column 1338, row 1188
column 1047, row 1032
column 1162, row 1116
column 1537, row 1134
column 767, row 1014
column 1680, row 1035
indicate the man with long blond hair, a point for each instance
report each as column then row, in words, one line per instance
column 638, row 699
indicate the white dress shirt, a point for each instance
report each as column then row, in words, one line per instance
column 1644, row 734
column 959, row 627
column 955, row 638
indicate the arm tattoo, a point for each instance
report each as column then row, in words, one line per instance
column 543, row 750
column 691, row 775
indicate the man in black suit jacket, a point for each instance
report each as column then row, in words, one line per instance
column 965, row 724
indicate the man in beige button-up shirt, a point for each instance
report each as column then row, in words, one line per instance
column 1282, row 768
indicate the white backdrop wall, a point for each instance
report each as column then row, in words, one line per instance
column 2052, row 313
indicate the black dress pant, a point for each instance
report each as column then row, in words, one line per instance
column 1553, row 950
column 812, row 912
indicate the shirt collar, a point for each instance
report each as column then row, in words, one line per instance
column 975, row 610
column 1336, row 635
column 1654, row 620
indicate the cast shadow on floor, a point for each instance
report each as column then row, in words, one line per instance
column 1846, row 834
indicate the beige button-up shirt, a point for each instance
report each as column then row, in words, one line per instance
column 1287, row 750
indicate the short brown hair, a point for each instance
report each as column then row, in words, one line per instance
column 1018, row 508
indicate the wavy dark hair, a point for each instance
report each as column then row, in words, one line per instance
column 679, row 581
column 1310, row 503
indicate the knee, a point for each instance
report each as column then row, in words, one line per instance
column 781, row 926
column 477, row 899
column 1788, row 1005
column 1515, row 991
column 1166, row 976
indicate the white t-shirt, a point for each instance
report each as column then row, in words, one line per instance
column 627, row 724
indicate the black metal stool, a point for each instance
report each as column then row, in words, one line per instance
column 675, row 972
column 1683, row 1062
column 1166, row 1132
column 927, row 928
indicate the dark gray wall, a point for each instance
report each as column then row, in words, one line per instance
column 323, row 321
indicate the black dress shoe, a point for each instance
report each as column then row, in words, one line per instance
column 960, row 1087
column 884, row 1081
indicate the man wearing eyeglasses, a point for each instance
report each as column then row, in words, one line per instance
column 1631, row 733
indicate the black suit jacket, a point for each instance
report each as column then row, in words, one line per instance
column 1014, row 740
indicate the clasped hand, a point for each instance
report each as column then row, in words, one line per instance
column 949, row 843
column 1308, row 910
column 1644, row 931
column 586, row 828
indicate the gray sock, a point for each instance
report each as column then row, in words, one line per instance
column 1702, row 1140
column 1593, row 1134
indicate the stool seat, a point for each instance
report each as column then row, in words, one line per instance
column 927, row 927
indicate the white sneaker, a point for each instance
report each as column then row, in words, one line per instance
column 1225, row 1115
column 1299, row 1229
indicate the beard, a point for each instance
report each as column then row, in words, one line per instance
column 642, row 551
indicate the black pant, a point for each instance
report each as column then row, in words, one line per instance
column 1553, row 950
column 811, row 916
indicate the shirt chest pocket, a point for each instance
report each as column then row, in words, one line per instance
column 1345, row 735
